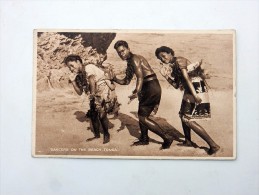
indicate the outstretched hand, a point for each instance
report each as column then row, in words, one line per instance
column 132, row 97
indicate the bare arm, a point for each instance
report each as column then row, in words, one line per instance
column 139, row 75
column 78, row 90
column 190, row 85
column 165, row 72
column 126, row 80
column 92, row 85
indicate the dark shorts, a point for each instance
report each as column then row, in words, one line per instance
column 149, row 97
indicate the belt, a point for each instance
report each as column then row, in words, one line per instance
column 149, row 78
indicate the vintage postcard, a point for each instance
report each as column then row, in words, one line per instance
column 137, row 94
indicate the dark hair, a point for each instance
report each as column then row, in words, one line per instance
column 72, row 58
column 164, row 49
column 121, row 43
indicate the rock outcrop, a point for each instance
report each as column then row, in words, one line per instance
column 53, row 47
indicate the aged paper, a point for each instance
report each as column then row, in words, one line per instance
column 63, row 120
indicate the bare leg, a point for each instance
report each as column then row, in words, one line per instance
column 144, row 139
column 187, row 134
column 96, row 124
column 204, row 135
column 105, row 125
column 155, row 128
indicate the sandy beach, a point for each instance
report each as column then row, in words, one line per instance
column 62, row 128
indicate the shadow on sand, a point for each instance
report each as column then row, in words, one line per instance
column 81, row 117
column 133, row 127
column 170, row 130
column 173, row 132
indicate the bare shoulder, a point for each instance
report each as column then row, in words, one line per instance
column 136, row 59
column 182, row 60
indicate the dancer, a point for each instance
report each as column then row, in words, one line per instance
column 113, row 104
column 180, row 73
column 91, row 78
column 147, row 90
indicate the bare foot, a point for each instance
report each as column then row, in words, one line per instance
column 213, row 150
column 106, row 138
column 188, row 144
column 140, row 143
column 92, row 138
column 166, row 145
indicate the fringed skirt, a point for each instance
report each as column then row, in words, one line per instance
column 192, row 111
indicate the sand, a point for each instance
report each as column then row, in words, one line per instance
column 62, row 128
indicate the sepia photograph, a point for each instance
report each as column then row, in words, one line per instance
column 134, row 94
column 129, row 97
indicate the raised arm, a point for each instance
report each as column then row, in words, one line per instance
column 79, row 90
column 165, row 73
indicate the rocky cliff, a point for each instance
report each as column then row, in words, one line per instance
column 53, row 47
